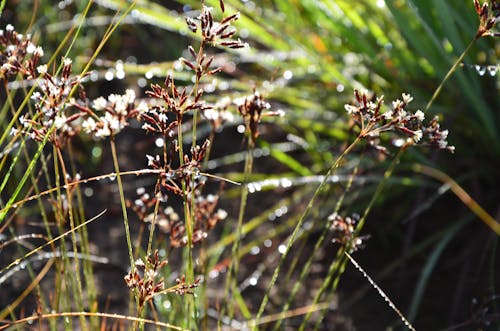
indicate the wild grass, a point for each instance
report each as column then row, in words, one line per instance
column 234, row 184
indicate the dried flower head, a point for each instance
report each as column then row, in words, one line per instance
column 251, row 109
column 146, row 279
column 52, row 107
column 489, row 16
column 18, row 54
column 183, row 288
column 369, row 117
column 344, row 230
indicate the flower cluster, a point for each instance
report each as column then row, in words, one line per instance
column 372, row 121
column 145, row 279
column 18, row 54
column 344, row 230
column 176, row 101
column 117, row 110
column 51, row 105
column 488, row 18
column 251, row 109
column 206, row 217
column 216, row 33
column 219, row 114
column 186, row 175
column 185, row 288
column 435, row 137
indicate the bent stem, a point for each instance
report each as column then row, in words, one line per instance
column 297, row 228
column 461, row 194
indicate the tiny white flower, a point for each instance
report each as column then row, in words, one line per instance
column 372, row 105
column 221, row 214
column 39, row 51
column 163, row 118
column 129, row 96
column 407, row 98
column 14, row 131
column 99, row 103
column 89, row 125
column 60, row 121
column 31, row 48
column 42, row 69
column 103, row 132
column 211, row 114
column 67, row 62
column 151, row 160
column 113, row 122
column 351, row 109
column 9, row 27
column 121, row 107
column 23, row 121
column 442, row 144
column 222, row 103
column 417, row 135
column 36, row 96
column 227, row 116
column 113, row 98
column 239, row 101
column 420, row 115
column 143, row 107
column 388, row 115
column 396, row 104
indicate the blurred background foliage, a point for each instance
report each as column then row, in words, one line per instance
column 306, row 57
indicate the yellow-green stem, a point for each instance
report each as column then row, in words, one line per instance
column 448, row 75
column 292, row 237
column 338, row 267
column 232, row 274
column 122, row 202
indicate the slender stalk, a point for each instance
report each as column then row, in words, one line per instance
column 448, row 75
column 292, row 237
column 232, row 274
column 319, row 242
column 462, row 195
column 69, row 199
column 338, row 267
column 122, row 202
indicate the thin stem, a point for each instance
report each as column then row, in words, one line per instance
column 232, row 278
column 292, row 237
column 462, row 195
column 448, row 75
column 122, row 201
column 340, row 260
column 319, row 242
column 69, row 199
column 381, row 292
